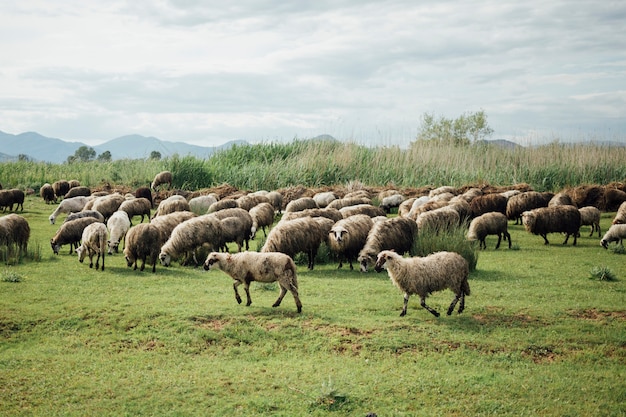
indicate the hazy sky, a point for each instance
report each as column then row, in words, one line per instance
column 207, row 72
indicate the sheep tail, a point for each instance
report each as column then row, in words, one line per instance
column 465, row 287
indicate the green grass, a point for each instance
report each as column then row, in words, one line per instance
column 538, row 337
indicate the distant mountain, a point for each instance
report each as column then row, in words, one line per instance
column 502, row 143
column 42, row 148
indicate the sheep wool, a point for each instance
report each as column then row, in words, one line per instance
column 553, row 219
column 493, row 223
column 616, row 233
column 94, row 242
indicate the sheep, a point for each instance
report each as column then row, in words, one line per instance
column 368, row 209
column 429, row 205
column 616, row 233
column 262, row 217
column 492, row 223
column 162, row 178
column 323, row 199
column 136, row 207
column 94, row 240
column 613, row 198
column 348, row 236
column 14, row 230
column 424, row 275
column 118, row 225
column 246, row 267
column 61, row 187
column 172, row 204
column 392, row 201
column 276, row 199
column 445, row 189
column 70, row 233
column 328, row 212
column 238, row 233
column 46, row 192
column 70, row 205
column 168, row 222
column 487, row 203
column 294, row 236
column 405, row 206
column 590, row 216
column 222, row 204
column 18, row 199
column 74, row 183
column 525, row 201
column 189, row 236
column 85, row 213
column 300, row 204
column 6, row 200
column 109, row 204
column 200, row 205
column 145, row 192
column 555, row 219
column 438, row 220
column 397, row 234
column 143, row 243
column 346, row 201
column 620, row 215
column 561, row 199
column 358, row 194
column 234, row 230
column 246, row 202
column 78, row 191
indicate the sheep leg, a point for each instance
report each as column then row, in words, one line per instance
column 499, row 240
column 237, row 297
column 246, row 287
column 406, row 303
column 457, row 297
column 507, row 235
column 423, row 304
column 279, row 300
column 545, row 239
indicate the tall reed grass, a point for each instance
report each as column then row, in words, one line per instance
column 311, row 163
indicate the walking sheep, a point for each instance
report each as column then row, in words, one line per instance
column 245, row 267
column 616, row 233
column 554, row 219
column 190, row 235
column 70, row 233
column 493, row 223
column 348, row 236
column 424, row 275
column 590, row 216
column 397, row 234
column 142, row 242
column 94, row 240
column 162, row 178
column 118, row 225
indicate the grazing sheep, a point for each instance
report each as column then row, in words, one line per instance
column 17, row 198
column 80, row 190
column 70, row 205
column 94, row 240
column 328, row 212
column 262, row 217
column 136, row 207
column 142, row 242
column 525, row 201
column 167, row 222
column 348, row 201
column 368, row 209
column 246, row 202
column 493, row 223
column 358, row 194
column 470, row 194
column 162, row 178
column 431, row 204
column 300, row 204
column 620, row 216
column 590, row 216
column 200, row 205
column 348, row 236
column 70, row 233
column 74, row 183
column 462, row 207
column 405, row 206
column 616, row 233
column 510, row 193
column 323, row 199
column 237, row 232
column 488, row 203
column 554, row 219
column 225, row 203
column 170, row 205
column 276, row 199
column 61, row 187
column 234, row 230
column 445, row 189
column 118, row 225
column 246, row 267
column 85, row 213
column 613, row 198
column 14, row 231
column 145, row 192
column 424, row 275
column 109, row 204
column 294, row 236
column 438, row 220
column 190, row 235
column 397, row 234
column 392, row 201
column 561, row 199
column 46, row 192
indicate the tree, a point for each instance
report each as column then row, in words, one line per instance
column 462, row 131
column 105, row 156
column 83, row 154
column 156, row 155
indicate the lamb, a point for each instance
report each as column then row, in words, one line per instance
column 424, row 275
column 70, row 233
column 392, row 201
column 80, row 190
column 142, row 242
column 136, row 207
column 525, row 201
column 14, row 230
column 93, row 239
column 70, row 205
column 300, row 204
column 246, row 267
column 162, row 178
column 262, row 217
column 145, row 192
column 172, row 204
column 620, row 216
column 236, row 233
column 487, row 203
column 348, row 201
column 590, row 216
column 616, row 233
column 109, row 204
column 438, row 220
column 294, row 236
column 348, row 236
column 190, row 235
column 85, row 213
column 118, row 225
column 368, row 209
column 200, row 205
column 46, row 192
column 493, row 223
column 61, row 187
column 554, row 219
column 168, row 222
column 323, row 199
column 222, row 204
column 397, row 234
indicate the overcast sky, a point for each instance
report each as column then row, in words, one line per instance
column 206, row 72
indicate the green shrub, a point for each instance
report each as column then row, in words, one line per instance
column 602, row 273
column 452, row 240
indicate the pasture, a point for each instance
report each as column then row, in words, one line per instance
column 539, row 336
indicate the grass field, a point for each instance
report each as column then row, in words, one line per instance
column 539, row 336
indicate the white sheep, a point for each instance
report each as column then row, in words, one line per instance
column 590, row 216
column 190, row 235
column 616, row 233
column 245, row 267
column 200, row 205
column 69, row 205
column 85, row 213
column 348, row 236
column 391, row 201
column 163, row 177
column 118, row 225
column 324, row 198
column 424, row 275
column 93, row 240
column 620, row 216
column 492, row 223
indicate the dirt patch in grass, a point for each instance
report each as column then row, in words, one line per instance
column 211, row 323
column 597, row 315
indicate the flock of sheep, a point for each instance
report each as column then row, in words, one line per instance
column 354, row 228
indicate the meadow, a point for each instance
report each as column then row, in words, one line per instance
column 542, row 333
